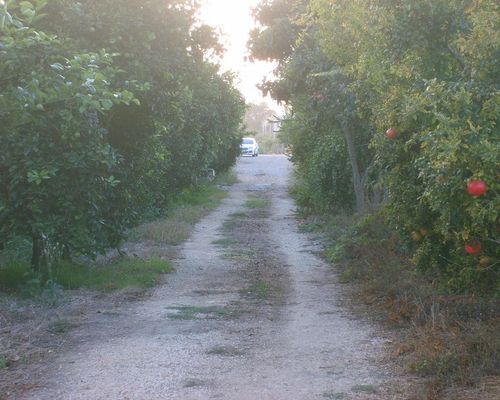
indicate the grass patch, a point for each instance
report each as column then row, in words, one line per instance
column 226, row 351
column 238, row 255
column 226, row 242
column 193, row 312
column 176, row 227
column 19, row 278
column 122, row 274
column 60, row 326
column 15, row 274
column 364, row 389
column 450, row 339
column 3, row 362
column 194, row 383
column 261, row 290
column 335, row 396
column 239, row 215
column 257, row 203
column 227, row 178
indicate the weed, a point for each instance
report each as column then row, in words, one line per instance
column 193, row 383
column 3, row 362
column 335, row 253
column 261, row 290
column 226, row 242
column 257, row 203
column 335, row 396
column 240, row 255
column 193, row 312
column 309, row 227
column 348, row 275
column 14, row 274
column 60, row 326
column 227, row 178
column 227, row 351
column 164, row 231
column 364, row 389
column 239, row 215
column 176, row 227
column 124, row 273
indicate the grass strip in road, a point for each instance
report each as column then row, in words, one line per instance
column 257, row 203
column 186, row 313
column 226, row 351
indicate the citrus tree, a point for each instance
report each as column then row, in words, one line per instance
column 109, row 109
column 56, row 164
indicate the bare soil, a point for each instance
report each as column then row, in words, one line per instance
column 251, row 312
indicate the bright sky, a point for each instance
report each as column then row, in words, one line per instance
column 234, row 19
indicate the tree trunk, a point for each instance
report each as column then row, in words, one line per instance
column 38, row 259
column 357, row 180
column 66, row 253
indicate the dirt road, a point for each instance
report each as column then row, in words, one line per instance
column 250, row 313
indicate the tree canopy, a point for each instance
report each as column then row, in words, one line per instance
column 108, row 110
column 351, row 70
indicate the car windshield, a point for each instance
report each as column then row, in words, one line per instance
column 247, row 141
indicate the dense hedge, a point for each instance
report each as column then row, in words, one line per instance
column 108, row 109
column 350, row 70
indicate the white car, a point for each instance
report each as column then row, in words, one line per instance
column 249, row 147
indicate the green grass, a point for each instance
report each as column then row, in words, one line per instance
column 14, row 274
column 60, row 326
column 225, row 242
column 261, row 290
column 176, row 227
column 17, row 277
column 194, row 312
column 227, row 178
column 227, row 351
column 364, row 389
column 238, row 215
column 257, row 203
column 3, row 362
column 335, row 395
column 122, row 274
column 238, row 255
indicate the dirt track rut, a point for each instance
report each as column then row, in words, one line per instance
column 250, row 313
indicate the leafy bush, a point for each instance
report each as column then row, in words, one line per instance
column 94, row 141
column 426, row 68
column 57, row 167
column 447, row 138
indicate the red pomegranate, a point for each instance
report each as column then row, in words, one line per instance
column 476, row 188
column 391, row 133
column 473, row 247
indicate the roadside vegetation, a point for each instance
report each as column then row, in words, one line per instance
column 393, row 115
column 113, row 272
column 449, row 339
column 110, row 113
column 112, row 122
column 41, row 307
column 181, row 217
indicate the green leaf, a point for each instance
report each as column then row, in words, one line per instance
column 57, row 66
column 106, row 104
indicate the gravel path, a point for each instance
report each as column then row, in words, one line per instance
column 250, row 313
